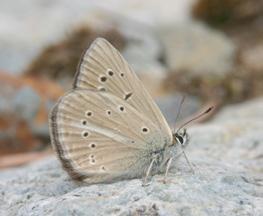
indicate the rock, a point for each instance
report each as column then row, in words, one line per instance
column 205, row 63
column 169, row 106
column 241, row 21
column 24, row 106
column 59, row 61
column 26, row 102
column 149, row 12
column 250, row 110
column 143, row 52
column 228, row 180
column 196, row 49
column 228, row 12
column 252, row 58
column 23, row 37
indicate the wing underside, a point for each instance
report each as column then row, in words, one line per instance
column 99, row 137
column 103, row 68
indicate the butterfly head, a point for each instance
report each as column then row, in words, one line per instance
column 181, row 137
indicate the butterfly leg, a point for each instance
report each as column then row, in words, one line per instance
column 148, row 173
column 169, row 162
column 189, row 163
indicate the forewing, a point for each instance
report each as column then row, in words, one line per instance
column 100, row 137
column 103, row 68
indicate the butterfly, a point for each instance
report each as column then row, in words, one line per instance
column 108, row 128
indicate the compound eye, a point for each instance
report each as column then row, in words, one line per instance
column 180, row 139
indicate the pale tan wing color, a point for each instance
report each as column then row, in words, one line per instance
column 103, row 68
column 101, row 138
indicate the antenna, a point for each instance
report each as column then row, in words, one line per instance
column 197, row 117
column 180, row 107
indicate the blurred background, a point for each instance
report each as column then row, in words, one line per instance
column 209, row 50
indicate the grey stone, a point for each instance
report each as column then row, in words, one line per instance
column 228, row 180
column 143, row 50
column 193, row 47
column 26, row 103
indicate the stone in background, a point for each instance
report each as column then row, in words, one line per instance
column 193, row 47
column 27, row 26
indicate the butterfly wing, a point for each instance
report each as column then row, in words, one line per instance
column 103, row 68
column 102, row 138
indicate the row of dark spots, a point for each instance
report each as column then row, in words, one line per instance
column 92, row 159
column 104, row 79
column 121, row 108
column 88, row 114
column 85, row 135
column 110, row 73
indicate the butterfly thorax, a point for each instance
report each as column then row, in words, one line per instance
column 162, row 155
column 170, row 150
column 158, row 155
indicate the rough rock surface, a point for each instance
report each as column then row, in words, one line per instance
column 228, row 179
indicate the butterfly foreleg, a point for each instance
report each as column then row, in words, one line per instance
column 169, row 162
column 145, row 183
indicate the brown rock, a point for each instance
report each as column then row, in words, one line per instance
column 24, row 112
column 227, row 12
column 59, row 61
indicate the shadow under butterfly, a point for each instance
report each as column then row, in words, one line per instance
column 108, row 128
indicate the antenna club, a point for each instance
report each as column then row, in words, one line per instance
column 209, row 109
column 197, row 117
